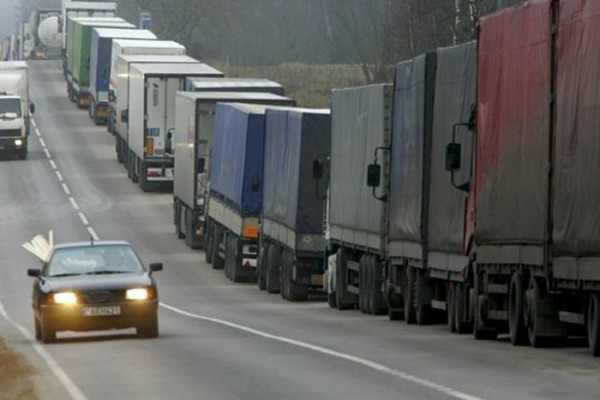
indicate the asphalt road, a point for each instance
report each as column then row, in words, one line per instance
column 221, row 340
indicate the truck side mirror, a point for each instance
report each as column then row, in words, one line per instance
column 124, row 116
column 200, row 165
column 32, row 108
column 374, row 175
column 453, row 157
column 317, row 169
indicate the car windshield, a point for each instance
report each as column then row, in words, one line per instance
column 93, row 260
column 10, row 106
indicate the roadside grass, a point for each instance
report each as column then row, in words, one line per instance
column 309, row 85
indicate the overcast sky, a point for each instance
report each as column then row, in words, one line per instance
column 8, row 22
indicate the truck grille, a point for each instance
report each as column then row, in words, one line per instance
column 6, row 133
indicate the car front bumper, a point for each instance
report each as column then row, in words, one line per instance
column 71, row 317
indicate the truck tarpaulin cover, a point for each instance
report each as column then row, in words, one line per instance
column 513, row 90
column 238, row 156
column 411, row 145
column 360, row 124
column 454, row 99
column 577, row 147
column 293, row 139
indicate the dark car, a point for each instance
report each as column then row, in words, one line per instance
column 94, row 286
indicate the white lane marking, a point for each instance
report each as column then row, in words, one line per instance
column 93, row 233
column 47, row 153
column 357, row 360
column 83, row 219
column 33, row 123
column 74, row 203
column 66, row 189
column 42, row 142
column 61, row 375
column 53, row 164
column 59, row 175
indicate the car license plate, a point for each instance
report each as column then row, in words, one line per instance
column 101, row 311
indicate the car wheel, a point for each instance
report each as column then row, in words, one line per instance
column 48, row 331
column 149, row 328
column 38, row 329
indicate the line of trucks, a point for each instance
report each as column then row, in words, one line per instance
column 465, row 192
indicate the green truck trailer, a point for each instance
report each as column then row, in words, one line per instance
column 79, row 38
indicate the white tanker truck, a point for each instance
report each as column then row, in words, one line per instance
column 45, row 31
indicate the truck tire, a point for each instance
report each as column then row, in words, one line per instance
column 218, row 262
column 227, row 266
column 593, row 324
column 408, row 295
column 273, row 270
column 143, row 178
column 377, row 302
column 208, row 246
column 341, row 288
column 262, row 267
column 189, row 228
column 516, row 322
column 481, row 331
column 285, row 278
column 177, row 210
column 295, row 291
column 423, row 310
column 532, row 300
column 461, row 317
column 450, row 306
column 363, row 285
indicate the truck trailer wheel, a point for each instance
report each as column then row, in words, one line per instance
column 363, row 285
column 481, row 331
column 208, row 245
column 461, row 316
column 593, row 324
column 343, row 297
column 377, row 303
column 262, row 267
column 450, row 304
column 516, row 322
column 218, row 262
column 272, row 276
column 423, row 311
column 293, row 290
column 409, row 293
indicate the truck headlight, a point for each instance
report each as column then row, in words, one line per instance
column 136, row 294
column 18, row 142
column 67, row 298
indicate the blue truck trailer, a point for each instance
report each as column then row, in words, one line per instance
column 100, row 64
column 236, row 173
column 291, row 240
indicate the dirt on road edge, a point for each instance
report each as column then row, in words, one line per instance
column 16, row 376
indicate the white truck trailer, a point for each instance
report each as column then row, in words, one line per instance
column 151, row 118
column 122, row 47
column 117, row 104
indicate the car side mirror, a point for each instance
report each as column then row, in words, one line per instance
column 156, row 267
column 124, row 116
column 374, row 175
column 317, row 169
column 34, row 272
column 32, row 108
column 453, row 157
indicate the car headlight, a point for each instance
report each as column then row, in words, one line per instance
column 137, row 294
column 68, row 298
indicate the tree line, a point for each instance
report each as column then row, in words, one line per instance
column 374, row 34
